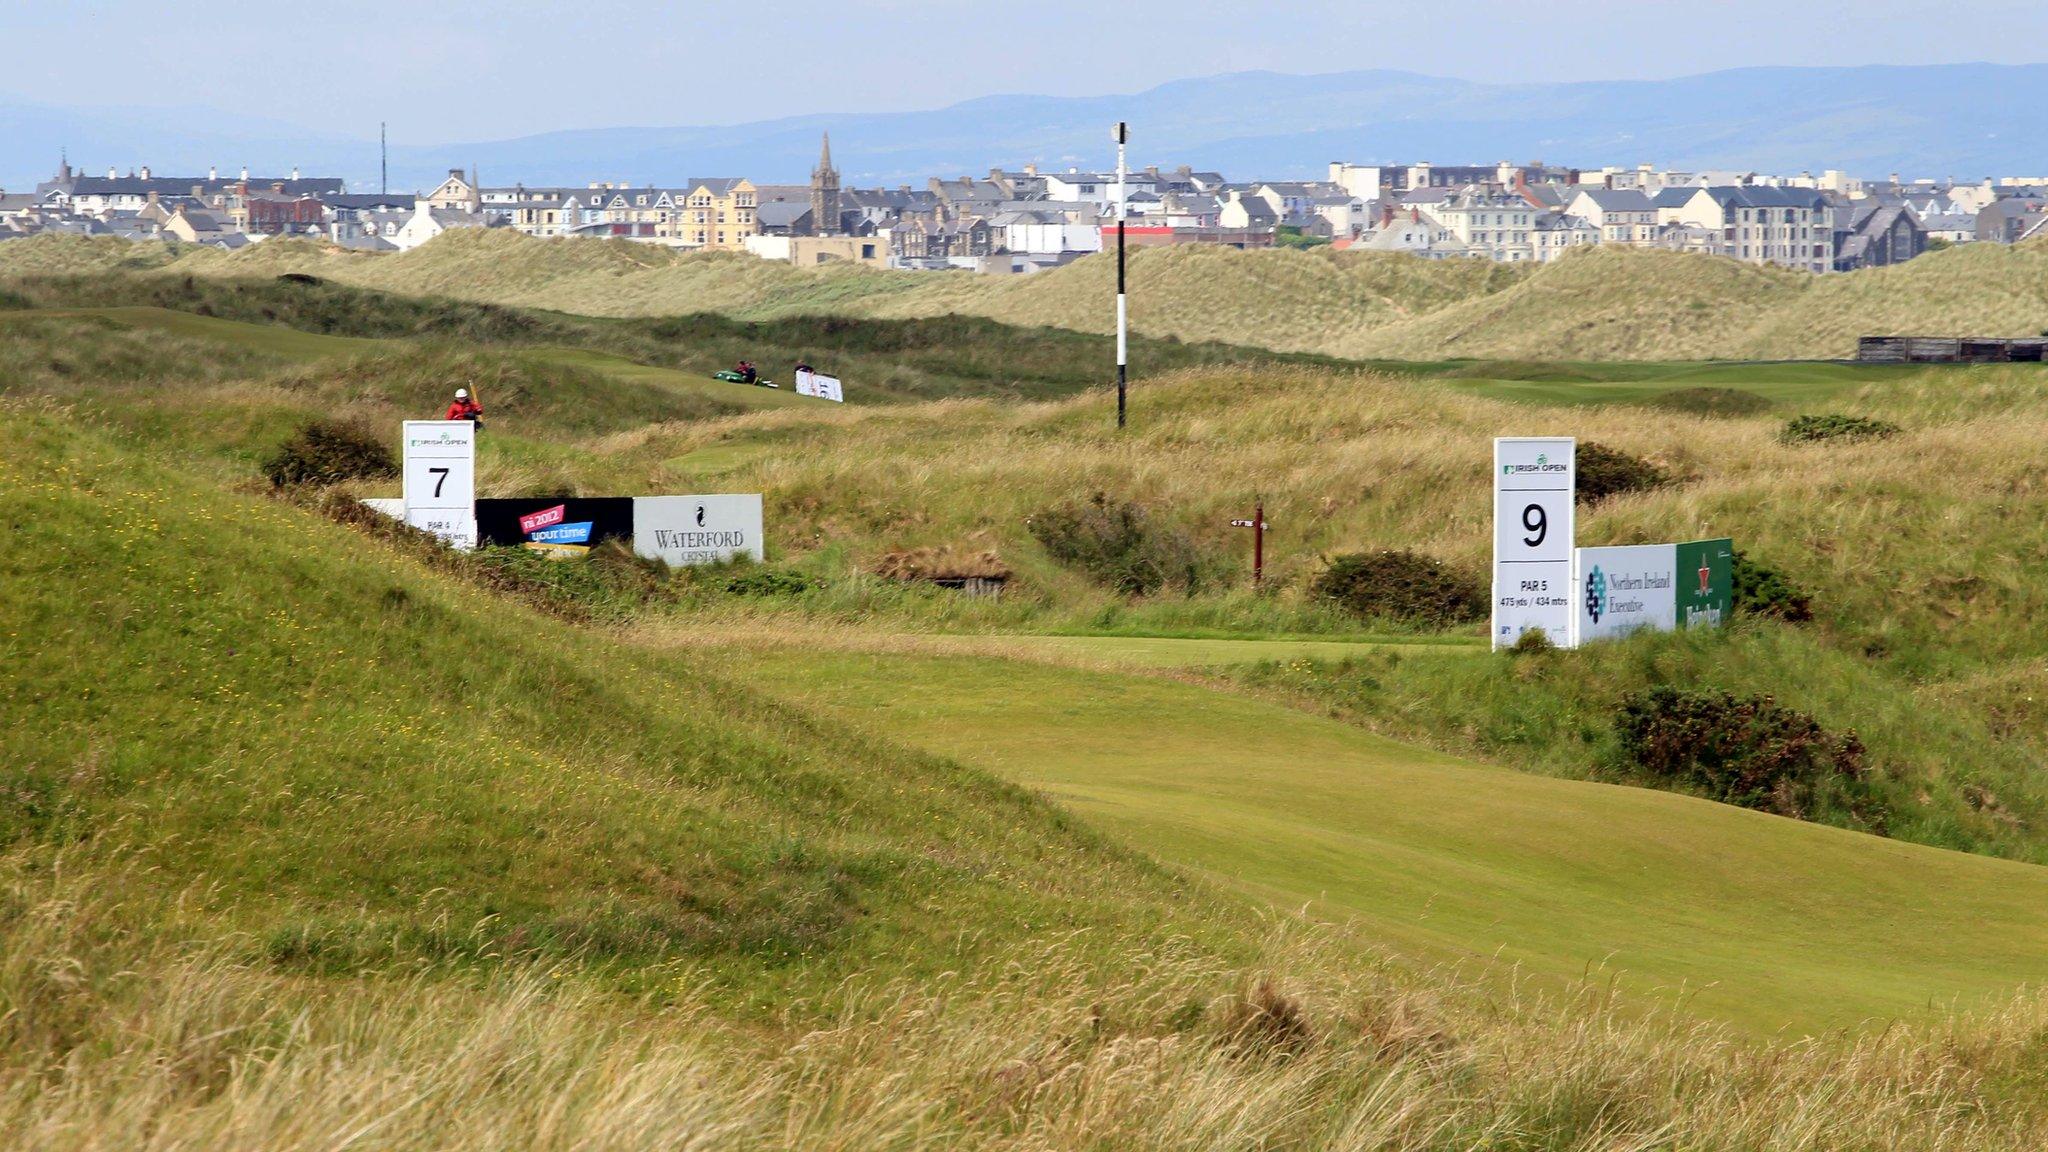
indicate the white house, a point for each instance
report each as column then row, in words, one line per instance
column 1622, row 215
column 428, row 222
column 1365, row 181
column 1416, row 234
column 1096, row 187
column 1552, row 234
column 1047, row 233
column 1496, row 224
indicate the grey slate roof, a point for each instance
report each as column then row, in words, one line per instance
column 1618, row 199
column 1754, row 196
column 781, row 213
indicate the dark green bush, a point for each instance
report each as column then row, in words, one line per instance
column 1811, row 429
column 1404, row 586
column 330, row 451
column 1120, row 544
column 11, row 301
column 1747, row 751
column 1764, row 591
column 768, row 582
column 1605, row 472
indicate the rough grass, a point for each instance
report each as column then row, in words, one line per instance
column 308, row 847
column 881, row 360
column 117, row 1039
column 1604, row 303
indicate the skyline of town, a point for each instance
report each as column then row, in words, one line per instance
column 1031, row 219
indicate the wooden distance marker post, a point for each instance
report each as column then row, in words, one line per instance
column 1258, row 526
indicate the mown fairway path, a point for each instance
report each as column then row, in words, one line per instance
column 1766, row 922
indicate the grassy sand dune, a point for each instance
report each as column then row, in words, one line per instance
column 1604, row 303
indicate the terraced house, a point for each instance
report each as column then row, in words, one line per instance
column 716, row 212
column 1793, row 227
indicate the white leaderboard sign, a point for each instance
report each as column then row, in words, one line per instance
column 809, row 383
column 440, row 479
column 1534, row 481
column 697, row 529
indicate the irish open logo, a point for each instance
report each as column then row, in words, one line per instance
column 1596, row 593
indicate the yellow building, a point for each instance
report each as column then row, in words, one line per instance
column 716, row 213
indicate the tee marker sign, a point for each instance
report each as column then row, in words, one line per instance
column 440, row 479
column 1534, row 485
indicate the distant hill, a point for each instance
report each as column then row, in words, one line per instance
column 1963, row 120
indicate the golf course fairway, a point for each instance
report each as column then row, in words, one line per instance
column 1765, row 922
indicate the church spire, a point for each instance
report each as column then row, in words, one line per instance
column 825, row 193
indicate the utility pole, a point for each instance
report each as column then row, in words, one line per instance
column 1123, row 358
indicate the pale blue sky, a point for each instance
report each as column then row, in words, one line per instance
column 445, row 69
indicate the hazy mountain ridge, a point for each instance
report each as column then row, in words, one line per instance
column 1966, row 121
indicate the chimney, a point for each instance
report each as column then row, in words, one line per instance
column 277, row 186
column 1031, row 169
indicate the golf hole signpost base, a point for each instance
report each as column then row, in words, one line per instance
column 1534, row 485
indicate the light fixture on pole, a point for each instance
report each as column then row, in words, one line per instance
column 1122, row 313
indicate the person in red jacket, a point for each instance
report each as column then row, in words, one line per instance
column 465, row 408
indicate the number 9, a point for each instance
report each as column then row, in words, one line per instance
column 1537, row 521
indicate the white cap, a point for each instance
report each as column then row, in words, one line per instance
column 462, row 393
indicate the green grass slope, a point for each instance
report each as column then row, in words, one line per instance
column 362, row 764
column 881, row 360
column 1760, row 920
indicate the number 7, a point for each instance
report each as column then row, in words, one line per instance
column 442, row 474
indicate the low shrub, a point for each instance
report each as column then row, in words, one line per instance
column 767, row 582
column 1811, row 429
column 1404, row 586
column 1764, row 591
column 1605, row 472
column 11, row 301
column 1120, row 544
column 328, row 452
column 1747, row 751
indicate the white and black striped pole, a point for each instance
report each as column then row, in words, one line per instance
column 1123, row 359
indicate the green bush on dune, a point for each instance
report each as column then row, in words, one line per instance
column 1604, row 472
column 1811, row 428
column 1400, row 586
column 1761, row 590
column 1120, row 544
column 328, row 452
column 1748, row 751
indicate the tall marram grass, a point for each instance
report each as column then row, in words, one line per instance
column 111, row 1038
column 1602, row 303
